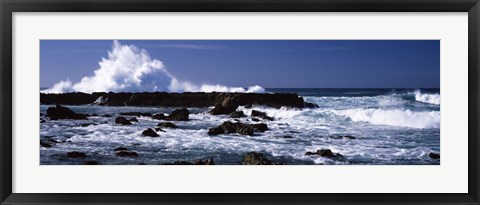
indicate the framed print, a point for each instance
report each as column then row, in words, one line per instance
column 188, row 102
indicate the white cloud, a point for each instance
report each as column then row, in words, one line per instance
column 130, row 69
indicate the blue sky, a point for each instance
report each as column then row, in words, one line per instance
column 268, row 63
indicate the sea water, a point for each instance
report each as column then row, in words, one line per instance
column 390, row 126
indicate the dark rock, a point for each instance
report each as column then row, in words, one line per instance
column 120, row 149
column 207, row 162
column 255, row 119
column 42, row 121
column 122, row 121
column 45, row 144
column 262, row 127
column 159, row 116
column 106, row 115
column 434, row 155
column 343, row 137
column 179, row 115
column 325, row 153
column 159, row 129
column 287, row 137
column 76, row 154
column 138, row 114
column 142, row 163
column 166, row 124
column 255, row 158
column 223, row 110
column 94, row 115
column 60, row 112
column 133, row 119
column 256, row 113
column 178, row 163
column 310, row 105
column 186, row 99
column 149, row 133
column 268, row 118
column 126, row 154
column 237, row 114
column 87, row 124
column 240, row 128
column 248, row 106
column 90, row 162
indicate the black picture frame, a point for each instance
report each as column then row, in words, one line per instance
column 7, row 8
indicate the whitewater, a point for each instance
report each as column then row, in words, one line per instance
column 390, row 127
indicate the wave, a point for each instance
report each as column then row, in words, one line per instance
column 396, row 117
column 427, row 98
column 130, row 69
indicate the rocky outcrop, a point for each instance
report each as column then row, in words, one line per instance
column 255, row 158
column 178, row 115
column 237, row 114
column 256, row 113
column 326, row 153
column 149, row 133
column 133, row 119
column 59, row 112
column 159, row 116
column 122, row 121
column 166, row 124
column 223, row 110
column 163, row 99
column 240, row 128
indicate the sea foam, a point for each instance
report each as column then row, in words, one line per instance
column 394, row 117
column 427, row 98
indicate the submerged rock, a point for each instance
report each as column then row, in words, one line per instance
column 133, row 119
column 138, row 114
column 124, row 153
column 237, row 114
column 60, row 112
column 42, row 121
column 223, row 110
column 325, row 153
column 166, row 124
column 149, row 133
column 159, row 116
column 178, row 115
column 255, row 158
column 122, row 121
column 76, row 154
column 434, row 155
column 106, row 115
column 45, row 144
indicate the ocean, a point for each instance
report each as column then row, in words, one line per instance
column 388, row 126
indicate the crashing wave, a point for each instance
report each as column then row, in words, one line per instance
column 427, row 98
column 130, row 69
column 396, row 117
